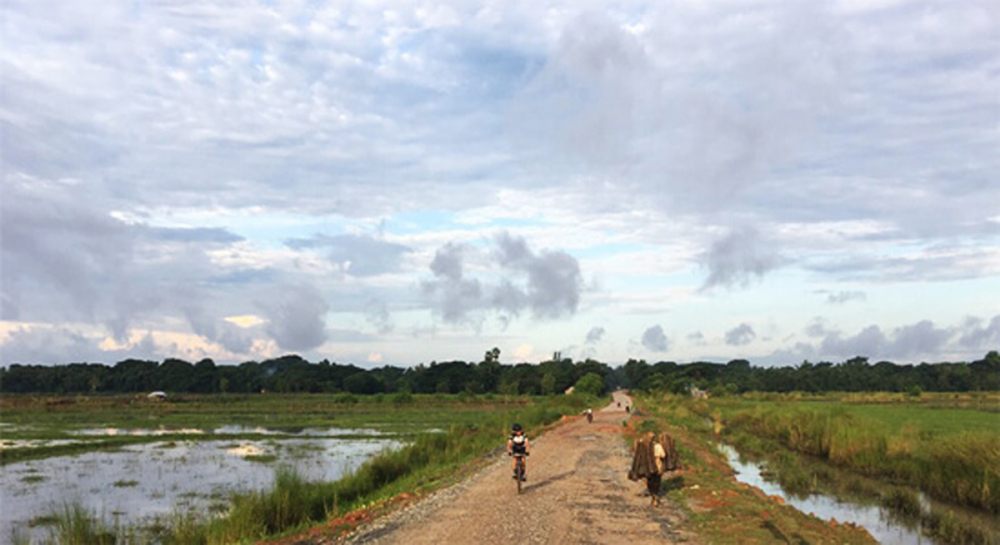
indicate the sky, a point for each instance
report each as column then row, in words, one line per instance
column 401, row 182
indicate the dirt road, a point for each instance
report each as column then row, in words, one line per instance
column 577, row 492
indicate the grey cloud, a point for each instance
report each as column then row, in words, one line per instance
column 817, row 328
column 61, row 345
column 737, row 258
column 448, row 262
column 296, row 317
column 554, row 278
column 65, row 257
column 869, row 342
column 595, row 335
column 740, row 335
column 196, row 234
column 509, row 298
column 455, row 296
column 919, row 339
column 214, row 329
column 378, row 315
column 976, row 336
column 349, row 336
column 845, row 297
column 938, row 264
column 361, row 255
column 234, row 340
column 547, row 283
column 655, row 340
column 625, row 102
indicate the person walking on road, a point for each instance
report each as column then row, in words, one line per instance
column 649, row 463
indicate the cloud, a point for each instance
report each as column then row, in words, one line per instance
column 548, row 283
column 454, row 295
column 138, row 194
column 296, row 317
column 64, row 253
column 554, row 280
column 737, row 258
column 378, row 315
column 921, row 339
column 595, row 335
column 655, row 340
column 976, row 336
column 845, row 296
column 740, row 335
column 358, row 255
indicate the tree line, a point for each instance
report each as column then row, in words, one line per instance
column 292, row 373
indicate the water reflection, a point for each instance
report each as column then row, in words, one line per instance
column 225, row 430
column 140, row 482
column 879, row 523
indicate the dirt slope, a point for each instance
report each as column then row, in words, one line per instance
column 577, row 492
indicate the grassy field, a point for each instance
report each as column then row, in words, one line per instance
column 720, row 509
column 945, row 446
column 445, row 433
column 52, row 425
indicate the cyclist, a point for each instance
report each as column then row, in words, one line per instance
column 518, row 446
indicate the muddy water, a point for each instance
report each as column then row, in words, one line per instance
column 139, row 483
column 875, row 519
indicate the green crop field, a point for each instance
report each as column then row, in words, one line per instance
column 946, row 446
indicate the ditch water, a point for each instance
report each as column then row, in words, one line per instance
column 139, row 484
column 879, row 523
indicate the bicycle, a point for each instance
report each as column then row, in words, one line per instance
column 519, row 469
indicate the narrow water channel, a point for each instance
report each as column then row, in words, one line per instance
column 875, row 519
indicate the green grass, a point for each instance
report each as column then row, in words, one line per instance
column 719, row 509
column 946, row 446
column 951, row 454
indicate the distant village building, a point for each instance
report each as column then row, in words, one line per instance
column 698, row 393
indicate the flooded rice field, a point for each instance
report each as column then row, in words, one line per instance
column 137, row 484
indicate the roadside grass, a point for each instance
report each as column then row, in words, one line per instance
column 72, row 524
column 294, row 504
column 720, row 509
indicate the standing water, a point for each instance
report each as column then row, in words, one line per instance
column 139, row 484
column 874, row 519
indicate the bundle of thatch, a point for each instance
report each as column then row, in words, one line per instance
column 643, row 463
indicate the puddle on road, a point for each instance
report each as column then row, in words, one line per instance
column 875, row 519
column 138, row 483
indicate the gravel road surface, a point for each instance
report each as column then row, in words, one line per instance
column 577, row 492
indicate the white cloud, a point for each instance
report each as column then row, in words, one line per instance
column 157, row 158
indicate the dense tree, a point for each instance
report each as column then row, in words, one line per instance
column 292, row 373
column 591, row 383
